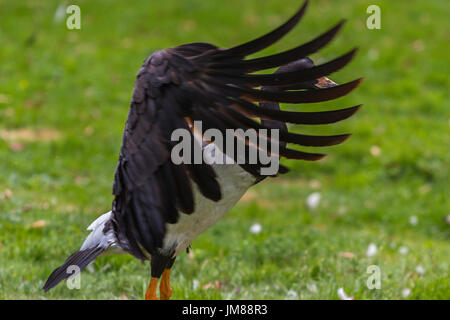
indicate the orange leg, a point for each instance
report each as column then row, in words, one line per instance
column 165, row 291
column 151, row 290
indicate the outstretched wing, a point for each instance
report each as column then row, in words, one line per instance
column 200, row 82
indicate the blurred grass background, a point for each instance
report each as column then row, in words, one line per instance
column 64, row 98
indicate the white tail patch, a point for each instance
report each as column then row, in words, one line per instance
column 97, row 237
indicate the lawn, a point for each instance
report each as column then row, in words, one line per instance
column 64, row 97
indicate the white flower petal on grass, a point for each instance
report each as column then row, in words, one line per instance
column 342, row 295
column 60, row 13
column 313, row 200
column 403, row 250
column 255, row 228
column 372, row 250
column 413, row 220
column 406, row 292
column 90, row 268
column 420, row 269
column 195, row 284
column 375, row 151
column 312, row 287
column 291, row 295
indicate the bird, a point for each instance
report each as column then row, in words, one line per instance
column 160, row 206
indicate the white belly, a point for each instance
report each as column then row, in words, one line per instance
column 234, row 182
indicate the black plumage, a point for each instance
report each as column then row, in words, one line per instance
column 200, row 81
column 80, row 259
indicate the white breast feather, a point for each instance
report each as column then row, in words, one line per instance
column 234, row 182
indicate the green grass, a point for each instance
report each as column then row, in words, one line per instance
column 77, row 84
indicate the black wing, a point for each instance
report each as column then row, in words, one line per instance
column 202, row 82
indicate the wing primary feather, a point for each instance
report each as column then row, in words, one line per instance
column 267, row 39
column 300, row 155
column 285, row 57
column 295, row 117
column 285, row 78
column 305, row 96
column 285, row 136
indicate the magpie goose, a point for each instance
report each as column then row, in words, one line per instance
column 159, row 206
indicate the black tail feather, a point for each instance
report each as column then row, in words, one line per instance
column 80, row 258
